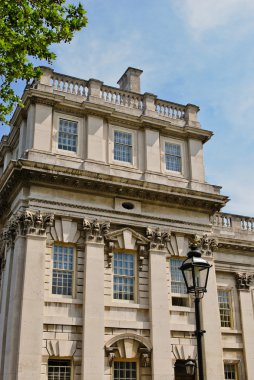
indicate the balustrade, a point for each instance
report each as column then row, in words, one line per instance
column 237, row 222
column 170, row 110
column 69, row 85
column 122, row 98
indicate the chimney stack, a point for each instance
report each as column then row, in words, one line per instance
column 130, row 80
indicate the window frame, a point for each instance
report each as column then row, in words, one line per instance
column 232, row 363
column 135, row 287
column 129, row 360
column 55, row 135
column 184, row 296
column 61, row 359
column 133, row 134
column 230, row 299
column 74, row 271
column 166, row 140
column 76, row 134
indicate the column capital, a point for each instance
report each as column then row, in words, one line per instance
column 243, row 280
column 158, row 239
column 95, row 230
column 207, row 244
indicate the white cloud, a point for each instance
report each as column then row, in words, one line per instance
column 204, row 15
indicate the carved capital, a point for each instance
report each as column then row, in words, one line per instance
column 95, row 230
column 207, row 244
column 243, row 280
column 158, row 239
column 33, row 222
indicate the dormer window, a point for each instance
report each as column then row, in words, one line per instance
column 123, row 146
column 68, row 135
column 173, row 157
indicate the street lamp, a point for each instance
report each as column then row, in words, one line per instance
column 195, row 272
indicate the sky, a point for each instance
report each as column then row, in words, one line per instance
column 190, row 51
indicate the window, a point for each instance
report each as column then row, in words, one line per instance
column 173, row 158
column 224, row 299
column 230, row 371
column 68, row 135
column 62, row 277
column 124, row 276
column 123, row 146
column 177, row 284
column 59, row 369
column 125, row 370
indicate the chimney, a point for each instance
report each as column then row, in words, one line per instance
column 130, row 80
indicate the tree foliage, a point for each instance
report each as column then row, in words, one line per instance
column 28, row 28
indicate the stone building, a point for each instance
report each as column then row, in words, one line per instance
column 101, row 190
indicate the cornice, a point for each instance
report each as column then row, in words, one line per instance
column 236, row 245
column 24, row 171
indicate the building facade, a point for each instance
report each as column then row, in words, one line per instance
column 101, row 191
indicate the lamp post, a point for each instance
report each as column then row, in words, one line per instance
column 195, row 272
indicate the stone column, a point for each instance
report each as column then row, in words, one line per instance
column 159, row 306
column 93, row 302
column 243, row 282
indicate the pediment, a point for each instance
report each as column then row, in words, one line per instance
column 127, row 238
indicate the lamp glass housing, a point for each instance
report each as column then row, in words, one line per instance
column 190, row 367
column 195, row 272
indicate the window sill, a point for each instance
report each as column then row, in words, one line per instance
column 127, row 305
column 63, row 300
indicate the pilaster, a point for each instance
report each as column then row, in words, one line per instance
column 93, row 302
column 25, row 322
column 243, row 283
column 162, row 368
column 212, row 347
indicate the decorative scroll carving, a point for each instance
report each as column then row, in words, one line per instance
column 158, row 239
column 145, row 357
column 142, row 254
column 109, row 250
column 110, row 352
column 206, row 244
column 95, row 230
column 243, row 280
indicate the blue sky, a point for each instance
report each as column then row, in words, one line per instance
column 191, row 51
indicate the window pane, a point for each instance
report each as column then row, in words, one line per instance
column 173, row 157
column 68, row 135
column 59, row 369
column 62, row 275
column 123, row 146
column 125, row 371
column 230, row 371
column 124, row 276
column 225, row 308
column 177, row 281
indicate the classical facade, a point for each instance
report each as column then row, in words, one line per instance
column 101, row 191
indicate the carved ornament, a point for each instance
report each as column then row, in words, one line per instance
column 95, row 230
column 158, row 239
column 207, row 245
column 243, row 280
